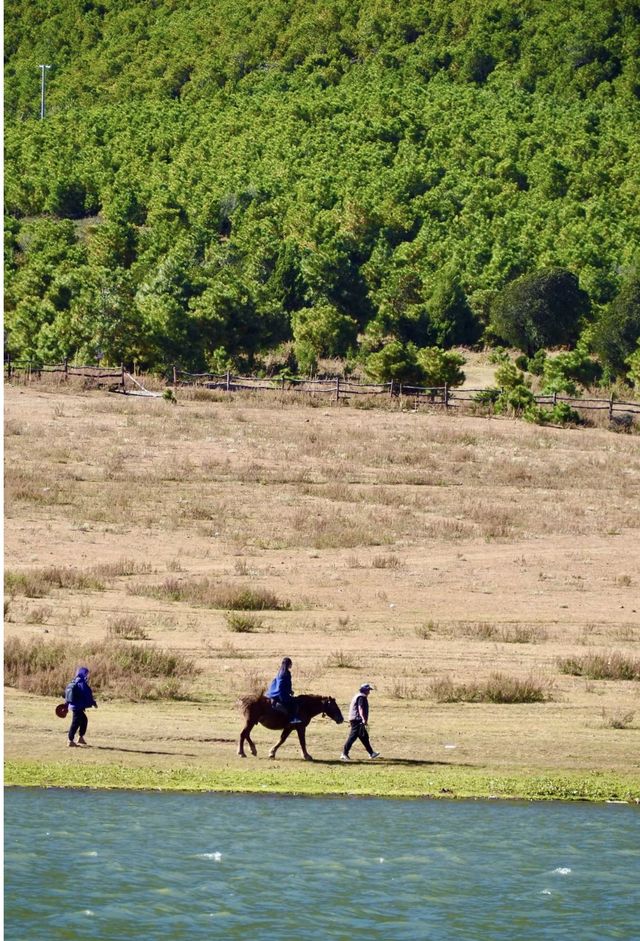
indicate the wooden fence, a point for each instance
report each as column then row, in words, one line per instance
column 338, row 389
column 31, row 370
column 335, row 389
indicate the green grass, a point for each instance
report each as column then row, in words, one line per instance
column 331, row 778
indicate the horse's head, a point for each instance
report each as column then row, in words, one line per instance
column 331, row 708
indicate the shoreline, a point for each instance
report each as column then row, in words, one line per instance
column 324, row 780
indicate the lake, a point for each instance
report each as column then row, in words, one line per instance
column 107, row 865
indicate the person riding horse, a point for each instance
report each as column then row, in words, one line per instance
column 280, row 692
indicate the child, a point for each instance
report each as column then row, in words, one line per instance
column 80, row 698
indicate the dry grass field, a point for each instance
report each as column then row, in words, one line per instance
column 422, row 552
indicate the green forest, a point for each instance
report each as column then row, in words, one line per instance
column 226, row 183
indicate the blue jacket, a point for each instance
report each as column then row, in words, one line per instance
column 84, row 695
column 281, row 687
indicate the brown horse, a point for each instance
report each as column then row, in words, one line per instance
column 258, row 709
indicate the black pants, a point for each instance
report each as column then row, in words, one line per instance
column 288, row 708
column 358, row 730
column 79, row 723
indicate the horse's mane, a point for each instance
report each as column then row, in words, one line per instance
column 248, row 700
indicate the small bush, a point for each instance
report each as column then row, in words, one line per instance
column 119, row 568
column 426, row 630
column 342, row 660
column 498, row 688
column 127, row 628
column 601, row 666
column 559, row 414
column 617, row 720
column 37, row 583
column 385, row 562
column 39, row 615
column 242, row 623
column 210, row 595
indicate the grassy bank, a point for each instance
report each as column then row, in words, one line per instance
column 333, row 779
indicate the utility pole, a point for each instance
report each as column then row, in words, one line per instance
column 43, row 70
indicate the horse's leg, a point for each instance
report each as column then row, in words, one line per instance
column 302, row 735
column 245, row 736
column 285, row 735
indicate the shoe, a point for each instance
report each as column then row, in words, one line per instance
column 374, row 754
column 344, row 757
column 81, row 741
column 72, row 745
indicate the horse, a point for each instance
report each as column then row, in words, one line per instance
column 258, row 709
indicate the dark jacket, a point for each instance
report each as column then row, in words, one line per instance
column 83, row 695
column 281, row 687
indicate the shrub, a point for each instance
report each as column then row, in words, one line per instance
column 560, row 414
column 610, row 665
column 242, row 623
column 39, row 582
column 440, row 367
column 127, row 627
column 119, row 670
column 563, row 372
column 498, row 688
column 342, row 660
column 210, row 595
column 395, row 362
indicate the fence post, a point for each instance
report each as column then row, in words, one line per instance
column 400, row 395
column 446, row 396
column 391, row 389
column 9, row 367
column 228, row 382
column 122, row 375
column 66, row 369
column 555, row 399
column 337, row 388
column 611, row 406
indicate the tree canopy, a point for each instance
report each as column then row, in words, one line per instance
column 212, row 179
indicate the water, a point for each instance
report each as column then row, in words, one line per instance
column 164, row 867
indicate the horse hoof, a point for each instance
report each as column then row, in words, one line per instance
column 308, row 758
column 271, row 755
column 241, row 755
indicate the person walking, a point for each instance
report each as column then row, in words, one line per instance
column 358, row 718
column 280, row 692
column 80, row 698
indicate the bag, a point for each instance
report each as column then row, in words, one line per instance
column 62, row 710
column 71, row 693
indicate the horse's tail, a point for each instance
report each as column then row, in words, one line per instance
column 244, row 703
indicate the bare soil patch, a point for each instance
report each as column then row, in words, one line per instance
column 403, row 548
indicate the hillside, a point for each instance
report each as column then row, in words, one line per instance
column 212, row 180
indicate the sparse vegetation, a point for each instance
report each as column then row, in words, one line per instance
column 498, row 688
column 37, row 583
column 118, row 670
column 209, row 594
column 611, row 665
column 617, row 720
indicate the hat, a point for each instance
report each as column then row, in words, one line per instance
column 366, row 687
column 62, row 710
